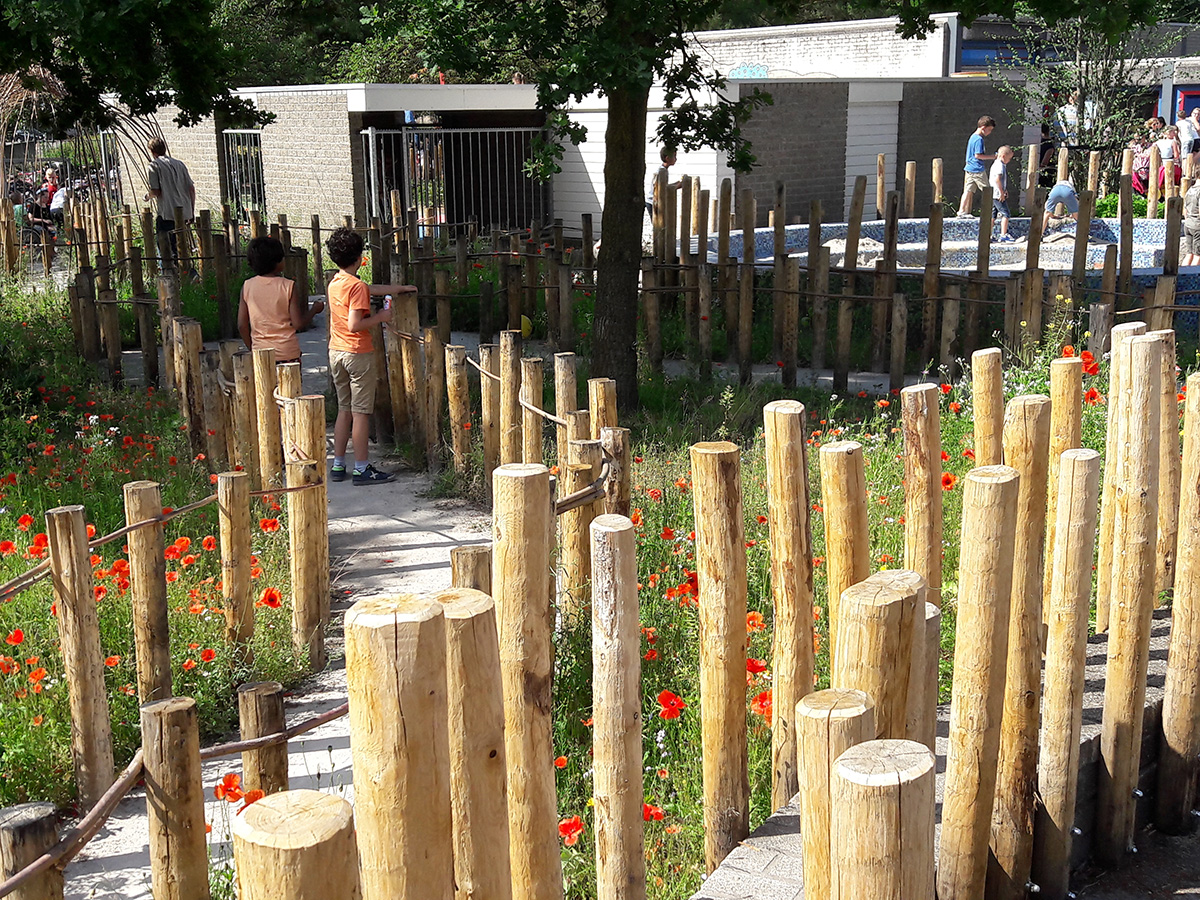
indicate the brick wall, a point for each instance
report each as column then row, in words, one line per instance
column 936, row 118
column 801, row 141
column 197, row 147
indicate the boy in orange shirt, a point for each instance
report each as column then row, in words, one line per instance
column 351, row 354
column 269, row 312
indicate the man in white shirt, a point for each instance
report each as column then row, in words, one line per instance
column 171, row 186
column 1189, row 138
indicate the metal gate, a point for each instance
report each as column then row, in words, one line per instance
column 453, row 176
column 243, row 187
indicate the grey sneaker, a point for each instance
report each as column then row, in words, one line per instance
column 337, row 473
column 371, row 475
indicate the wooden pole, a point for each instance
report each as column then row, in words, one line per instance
column 788, row 514
column 83, row 662
column 1169, row 466
column 936, row 170
column 651, row 312
column 1026, row 439
column 877, row 618
column 233, row 504
column 216, row 410
column 308, row 545
column 471, row 567
column 1179, row 760
column 270, row 455
column 704, row 314
column 287, row 376
column 920, row 425
column 899, row 342
column 1115, row 467
column 260, row 713
column 981, row 646
column 406, row 321
column 1066, row 649
column 951, row 318
column 399, row 742
column 880, row 184
column 721, row 567
column 476, row 728
column 523, row 534
column 174, row 799
column 575, row 587
column 818, row 284
column 148, row 592
column 489, row 392
column 931, row 285
column 617, row 711
column 618, row 488
column 441, row 281
column 26, row 832
column 789, row 299
column 910, row 189
column 845, row 314
column 393, row 351
column 298, row 845
column 532, row 424
column 191, row 382
column 828, row 723
column 510, row 388
column 882, row 817
column 458, row 402
column 987, row 395
column 602, row 404
column 1066, row 433
column 1152, row 188
column 566, row 399
column 921, row 724
column 1132, row 599
column 778, row 255
column 1125, row 267
column 1093, row 181
column 847, row 532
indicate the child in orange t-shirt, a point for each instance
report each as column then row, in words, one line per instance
column 269, row 313
column 351, row 354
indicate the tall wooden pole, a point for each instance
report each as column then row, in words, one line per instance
column 270, row 455
column 721, row 567
column 575, row 583
column 1135, row 531
column 987, row 396
column 83, row 661
column 148, row 592
column 1026, row 441
column 458, row 402
column 396, row 686
column 233, row 504
column 977, row 695
column 788, row 514
column 489, row 391
column 602, row 404
column 522, row 537
column 510, row 393
column 565, row 399
column 619, row 486
column 308, row 545
column 532, row 424
column 1169, row 465
column 245, row 415
column 1066, row 433
column 847, row 532
column 921, row 427
column 617, row 711
column 1066, row 649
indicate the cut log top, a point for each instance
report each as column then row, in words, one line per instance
column 1080, row 454
column 64, row 510
column 993, row 474
column 293, row 820
column 18, row 818
column 713, row 448
column 168, row 706
column 835, row 703
column 377, row 612
column 611, row 523
column 987, row 355
column 845, row 448
column 784, row 408
column 521, row 470
column 903, row 580
column 871, row 593
column 463, row 603
column 884, row 762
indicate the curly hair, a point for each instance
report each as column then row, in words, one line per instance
column 345, row 246
column 264, row 254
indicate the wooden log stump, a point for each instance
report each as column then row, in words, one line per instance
column 489, row 393
column 260, row 713
column 471, row 567
column 576, row 580
column 987, row 396
column 847, row 533
column 233, row 505
column 245, row 416
column 296, row 845
column 1169, row 465
column 26, row 832
column 434, row 389
column 619, row 486
column 458, row 403
column 1066, row 433
column 216, row 412
column 921, row 718
column 308, row 545
column 602, row 404
column 920, row 424
column 148, row 592
column 565, row 399
column 532, row 424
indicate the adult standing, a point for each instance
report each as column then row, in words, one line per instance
column 171, row 187
column 1189, row 138
column 974, row 171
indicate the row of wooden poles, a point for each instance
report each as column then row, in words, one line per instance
column 457, row 686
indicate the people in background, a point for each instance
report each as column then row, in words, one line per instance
column 1047, row 164
column 171, row 187
column 974, row 171
column 58, row 202
column 38, row 220
column 1191, row 226
column 999, row 181
column 1168, row 150
column 270, row 311
column 1140, row 144
column 1062, row 193
column 1189, row 138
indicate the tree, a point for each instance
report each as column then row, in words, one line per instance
column 144, row 52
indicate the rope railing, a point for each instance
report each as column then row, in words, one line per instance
column 549, row 417
column 585, row 495
column 483, row 371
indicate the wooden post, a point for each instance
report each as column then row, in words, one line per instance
column 396, row 686
column 1033, row 160
column 1066, row 648
column 435, row 387
column 565, row 399
column 1152, row 188
column 26, row 832
column 566, row 308
column 1037, row 221
column 83, row 662
column 882, row 801
column 270, row 455
column 489, row 392
column 704, row 325
column 910, row 189
column 458, row 401
column 1131, row 603
column 298, row 845
column 168, row 309
column 931, row 286
column 936, row 169
column 1093, row 181
column 920, row 425
column 471, row 567
column 532, row 424
column 987, row 395
column 406, row 327
column 148, row 592
column 308, row 545
column 1026, row 439
column 618, row 487
column 748, row 213
column 510, row 393
column 951, row 318
column 233, row 503
column 828, row 723
column 216, row 410
column 721, row 567
column 287, row 378
column 260, row 713
column 1066, row 433
column 818, row 287
column 1169, row 465
column 845, row 315
column 778, row 255
column 981, row 646
column 1125, row 258
column 602, row 404
column 788, row 513
column 880, row 184
column 724, row 213
column 476, row 733
column 921, row 720
column 847, row 533
column 1179, row 760
column 1114, row 456
column 582, row 468
column 1079, row 260
column 309, row 427
column 487, row 311
column 441, row 281
column 787, row 296
column 617, row 710
column 174, row 799
column 523, row 534
column 651, row 317
column 899, row 341
column 245, row 415
column 89, row 325
column 589, row 244
column 876, row 621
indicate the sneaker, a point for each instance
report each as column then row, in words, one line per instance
column 1004, row 239
column 371, row 475
column 337, row 473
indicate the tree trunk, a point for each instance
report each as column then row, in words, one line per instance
column 615, row 326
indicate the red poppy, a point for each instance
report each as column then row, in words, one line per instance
column 761, row 705
column 754, row 620
column 755, row 666
column 112, row 661
column 1093, row 397
column 560, row 762
column 668, row 534
column 654, row 494
column 570, row 830
column 172, row 576
column 15, row 637
column 229, row 788
column 945, row 388
column 268, row 525
column 251, row 797
column 270, row 597
column 651, row 655
column 635, row 517
column 182, row 544
column 949, row 480
column 209, row 543
column 945, row 456
column 37, row 674
column 651, row 812
column 189, row 664
column 91, row 531
column 883, row 404
column 762, row 520
column 7, row 548
column 955, row 407
column 1068, row 351
column 208, row 654
column 25, row 521
column 969, row 453
column 671, row 705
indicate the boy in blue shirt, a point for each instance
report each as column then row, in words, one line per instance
column 975, row 172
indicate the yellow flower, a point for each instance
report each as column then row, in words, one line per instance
column 1024, row 324
column 591, row 801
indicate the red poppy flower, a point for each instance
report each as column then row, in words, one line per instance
column 667, row 534
column 7, row 548
column 208, row 654
column 945, row 388
column 251, row 797
column 754, row 620
column 15, row 637
column 651, row 655
column 25, row 521
column 268, row 525
column 635, row 517
column 883, row 404
column 945, row 456
column 570, row 830
column 172, row 576
column 761, row 705
column 112, row 661
column 91, row 531
column 955, row 407
column 270, row 597
column 209, row 543
column 182, row 544
column 755, row 666
column 37, row 674
column 1068, row 351
column 654, row 494
column 671, row 705
column 229, row 788
column 1093, row 397
column 762, row 520
column 949, row 480
column 560, row 762
column 651, row 812
column 189, row 664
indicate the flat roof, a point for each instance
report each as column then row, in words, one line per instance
column 367, row 98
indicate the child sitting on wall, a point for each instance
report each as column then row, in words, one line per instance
column 269, row 312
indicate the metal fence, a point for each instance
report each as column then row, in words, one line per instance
column 453, row 176
column 243, row 187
